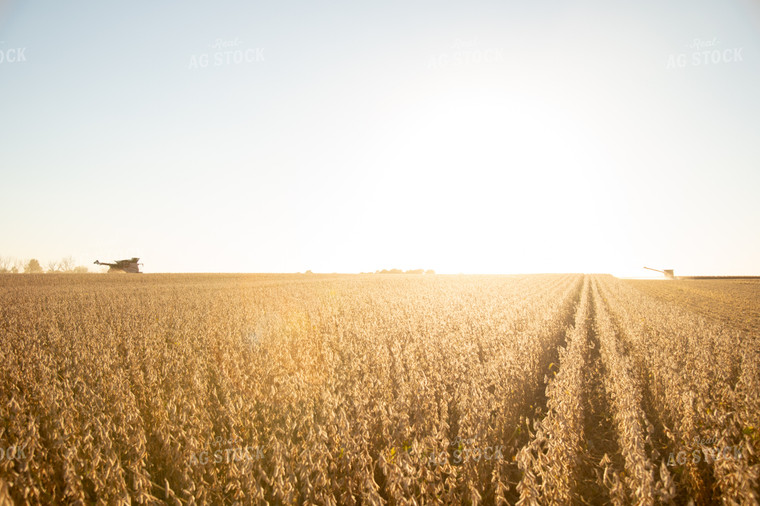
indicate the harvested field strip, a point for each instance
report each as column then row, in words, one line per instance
column 700, row 403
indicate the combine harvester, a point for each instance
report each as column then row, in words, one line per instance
column 130, row 266
column 669, row 275
column 668, row 272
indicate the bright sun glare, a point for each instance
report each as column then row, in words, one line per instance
column 504, row 176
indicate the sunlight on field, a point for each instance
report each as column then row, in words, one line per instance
column 375, row 389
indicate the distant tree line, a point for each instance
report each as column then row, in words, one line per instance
column 65, row 265
column 411, row 271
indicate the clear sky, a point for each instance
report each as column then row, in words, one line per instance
column 476, row 137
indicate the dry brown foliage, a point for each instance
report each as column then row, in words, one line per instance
column 288, row 389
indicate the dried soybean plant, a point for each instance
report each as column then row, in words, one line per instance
column 284, row 389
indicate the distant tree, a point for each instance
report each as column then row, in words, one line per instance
column 430, row 271
column 309, row 272
column 10, row 265
column 415, row 271
column 66, row 264
column 81, row 269
column 33, row 267
column 52, row 267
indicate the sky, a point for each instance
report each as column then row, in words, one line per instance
column 344, row 136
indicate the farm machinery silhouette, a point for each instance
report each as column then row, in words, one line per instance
column 668, row 272
column 130, row 266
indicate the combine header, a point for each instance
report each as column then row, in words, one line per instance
column 668, row 272
column 130, row 266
